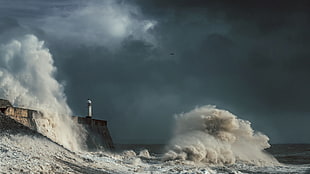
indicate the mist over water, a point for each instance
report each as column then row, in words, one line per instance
column 211, row 135
column 27, row 80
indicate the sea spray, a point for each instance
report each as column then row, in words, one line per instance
column 27, row 80
column 211, row 135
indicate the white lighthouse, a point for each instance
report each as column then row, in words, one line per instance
column 89, row 108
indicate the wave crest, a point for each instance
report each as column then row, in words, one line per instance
column 211, row 135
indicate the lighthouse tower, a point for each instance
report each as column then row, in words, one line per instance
column 89, row 115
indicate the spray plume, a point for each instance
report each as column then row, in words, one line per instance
column 215, row 136
column 27, row 80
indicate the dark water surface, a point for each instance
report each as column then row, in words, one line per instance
column 291, row 153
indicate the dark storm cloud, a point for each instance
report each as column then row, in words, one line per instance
column 248, row 57
column 168, row 56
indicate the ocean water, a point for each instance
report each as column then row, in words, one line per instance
column 293, row 158
column 284, row 153
column 25, row 151
column 291, row 153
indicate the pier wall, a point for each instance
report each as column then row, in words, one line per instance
column 98, row 134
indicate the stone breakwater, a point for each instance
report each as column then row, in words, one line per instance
column 97, row 132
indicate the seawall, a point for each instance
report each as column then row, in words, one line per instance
column 98, row 135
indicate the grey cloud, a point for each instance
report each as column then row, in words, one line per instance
column 239, row 56
column 105, row 23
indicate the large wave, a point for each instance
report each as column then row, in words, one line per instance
column 27, row 80
column 211, row 135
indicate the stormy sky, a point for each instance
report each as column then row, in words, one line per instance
column 141, row 62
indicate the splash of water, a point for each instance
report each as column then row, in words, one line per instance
column 216, row 136
column 27, row 80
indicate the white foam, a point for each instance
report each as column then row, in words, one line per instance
column 216, row 136
column 27, row 80
column 30, row 153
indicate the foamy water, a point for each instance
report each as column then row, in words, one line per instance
column 27, row 80
column 215, row 136
column 25, row 151
column 31, row 154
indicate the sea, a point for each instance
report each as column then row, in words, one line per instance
column 23, row 150
column 294, row 158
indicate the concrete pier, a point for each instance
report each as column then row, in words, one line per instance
column 98, row 134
